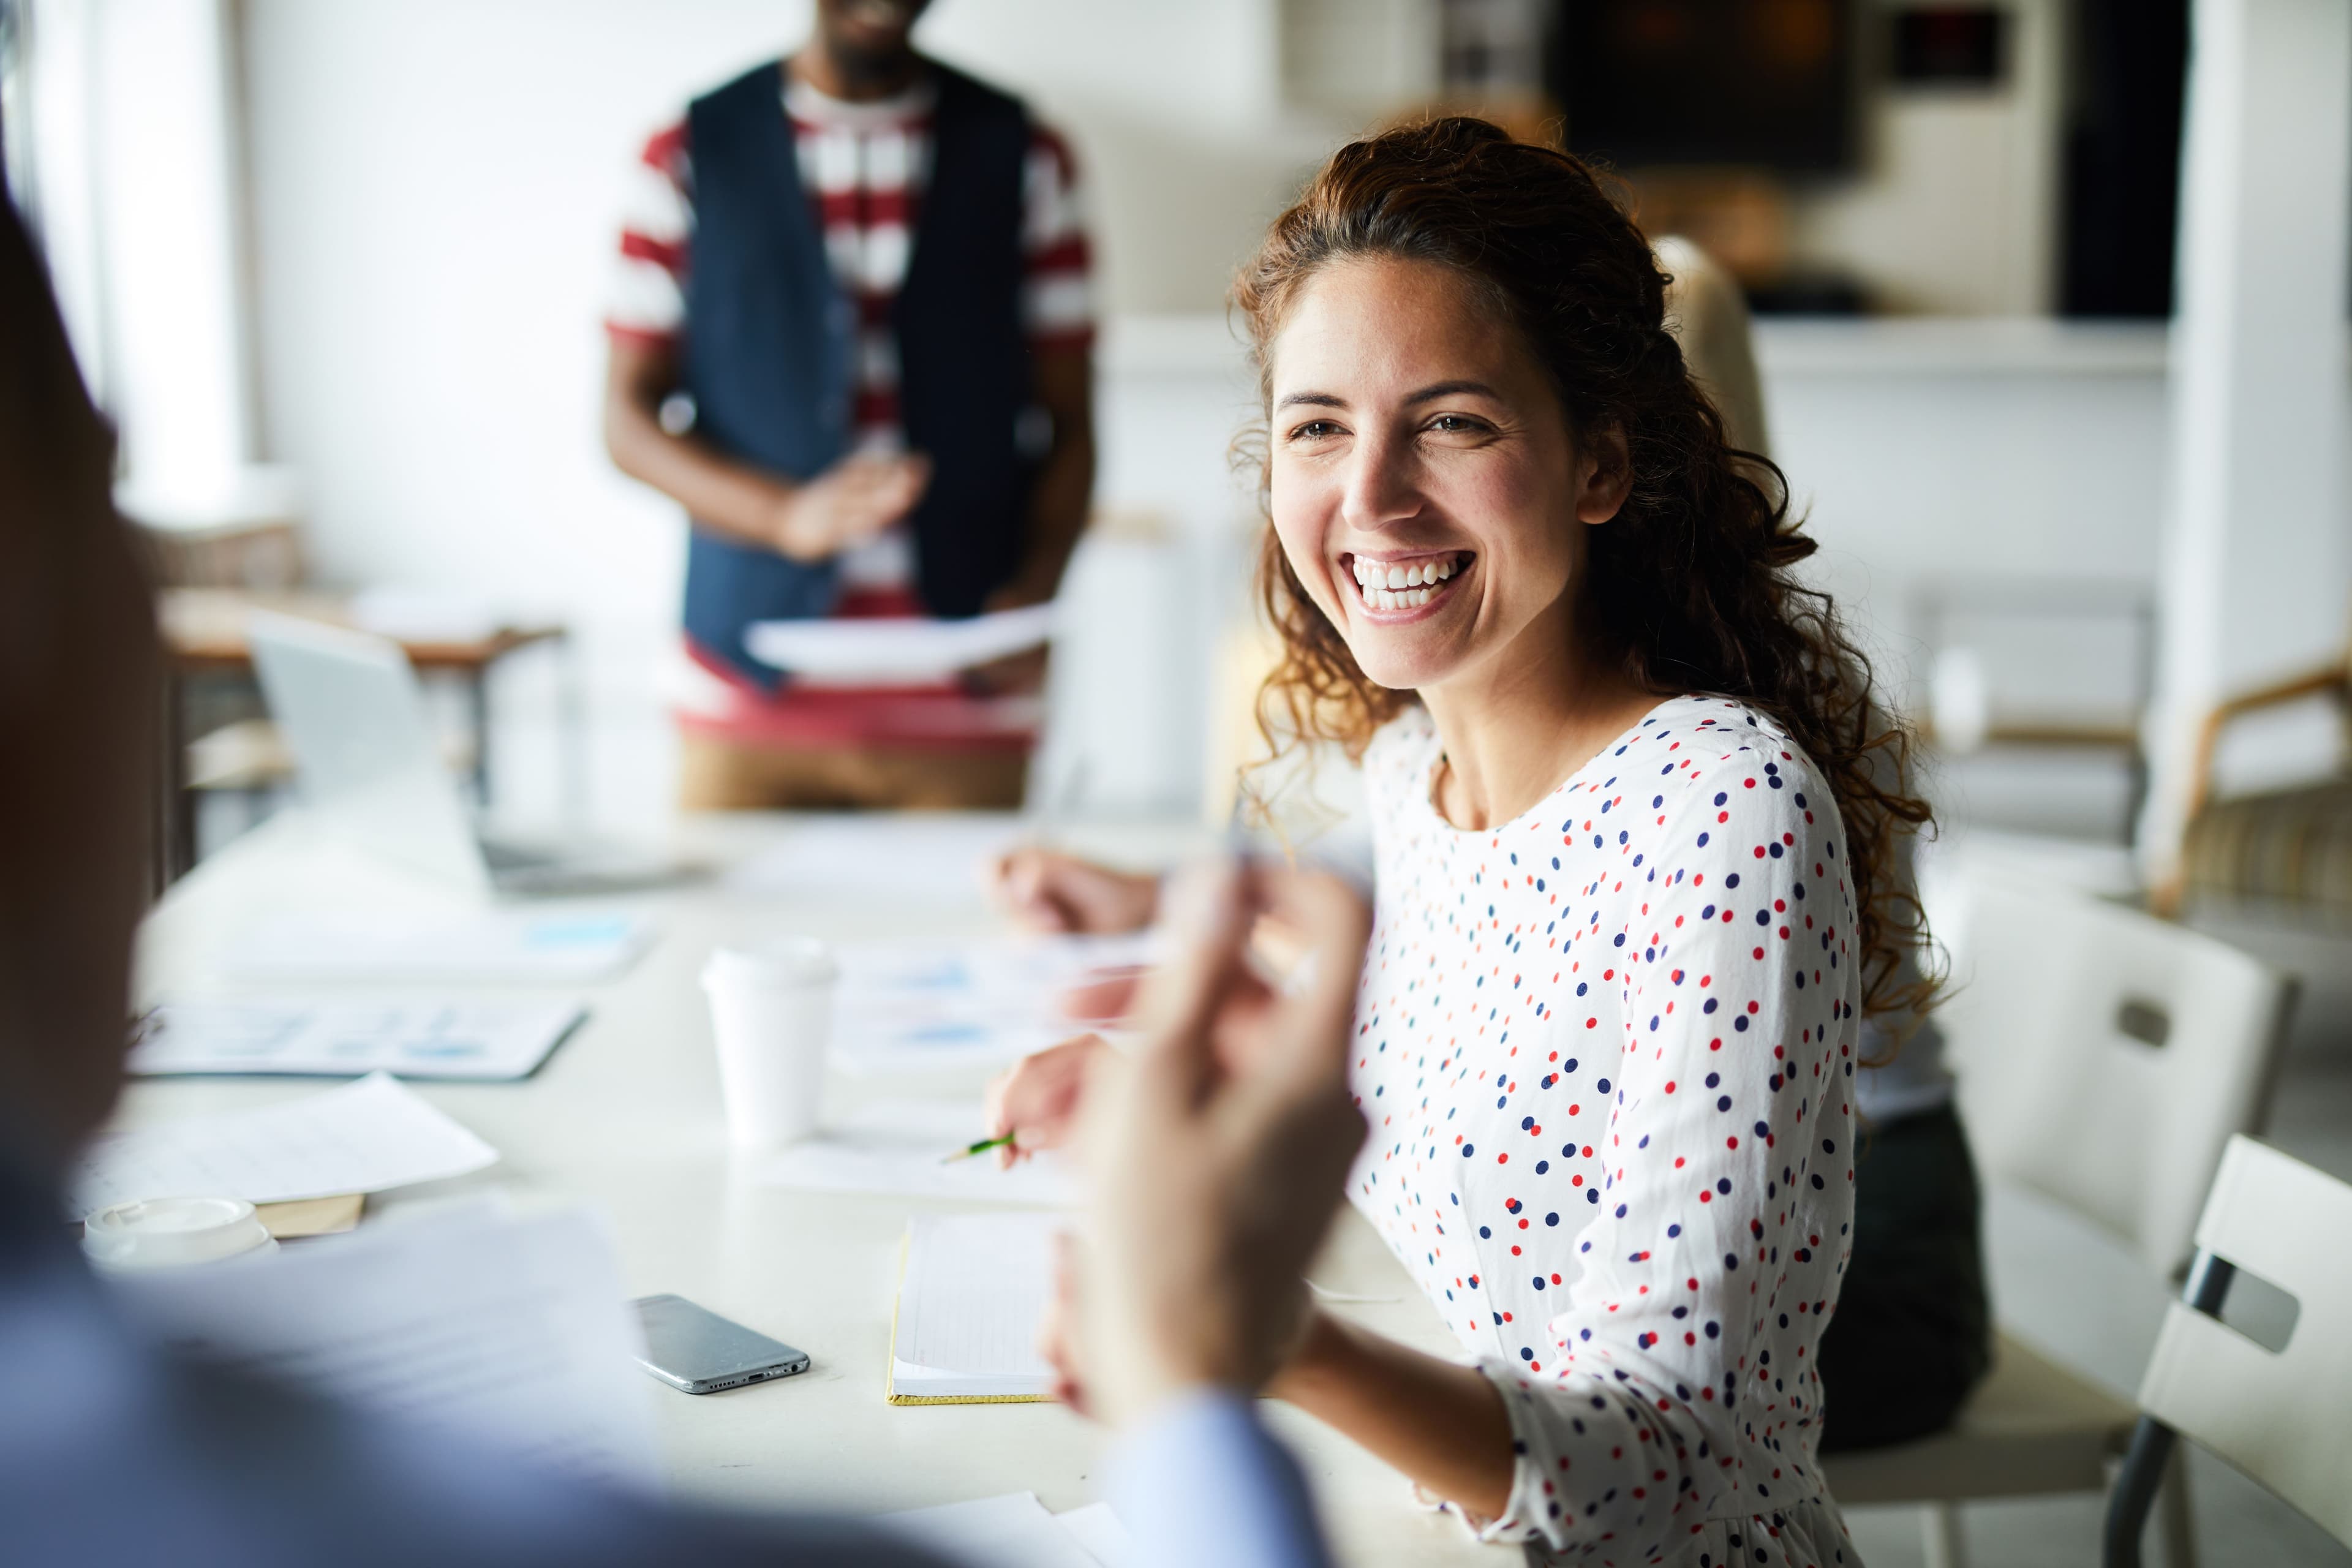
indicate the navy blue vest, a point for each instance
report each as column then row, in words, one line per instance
column 769, row 336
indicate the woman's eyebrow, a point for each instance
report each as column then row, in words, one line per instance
column 1452, row 388
column 1314, row 399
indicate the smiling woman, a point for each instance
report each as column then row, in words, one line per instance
column 1636, row 874
column 1634, row 857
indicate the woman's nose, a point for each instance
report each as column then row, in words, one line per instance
column 1382, row 486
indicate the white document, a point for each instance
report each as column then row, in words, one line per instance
column 913, row 1005
column 894, row 650
column 513, row 1332
column 1100, row 1531
column 341, row 1038
column 364, row 1137
column 889, row 859
column 521, row 945
column 1010, row 1531
column 898, row 1148
column 975, row 1288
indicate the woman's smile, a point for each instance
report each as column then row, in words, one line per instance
column 1392, row 589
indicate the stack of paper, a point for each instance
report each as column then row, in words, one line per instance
column 898, row 1148
column 915, row 1006
column 502, row 1330
column 1015, row 1532
column 520, row 945
column 441, row 1039
column 364, row 1137
column 974, row 1290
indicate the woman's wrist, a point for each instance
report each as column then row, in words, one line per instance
column 1149, row 892
column 1319, row 1358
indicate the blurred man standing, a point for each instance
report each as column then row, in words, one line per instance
column 866, row 274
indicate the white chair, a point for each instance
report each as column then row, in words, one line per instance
column 2104, row 1060
column 2283, row 1418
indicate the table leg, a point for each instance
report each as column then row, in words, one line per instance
column 572, row 746
column 478, row 708
column 176, row 822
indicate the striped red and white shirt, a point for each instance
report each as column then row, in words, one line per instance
column 864, row 167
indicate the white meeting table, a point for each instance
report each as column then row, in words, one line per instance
column 624, row 1118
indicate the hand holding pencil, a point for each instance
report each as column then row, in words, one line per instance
column 1034, row 1104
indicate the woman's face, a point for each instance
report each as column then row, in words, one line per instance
column 1424, row 484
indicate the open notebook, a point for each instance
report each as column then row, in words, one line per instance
column 971, row 1291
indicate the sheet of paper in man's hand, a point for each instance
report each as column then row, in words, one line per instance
column 364, row 1137
column 509, row 1332
column 893, row 650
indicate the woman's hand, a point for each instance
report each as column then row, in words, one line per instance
column 1036, row 1098
column 1046, row 890
column 1057, row 1329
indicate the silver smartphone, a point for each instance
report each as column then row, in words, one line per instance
column 695, row 1348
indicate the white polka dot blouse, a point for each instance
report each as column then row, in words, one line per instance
column 1606, row 1052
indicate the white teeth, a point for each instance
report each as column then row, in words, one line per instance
column 1395, row 587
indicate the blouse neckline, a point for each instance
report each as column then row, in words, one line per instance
column 1427, row 794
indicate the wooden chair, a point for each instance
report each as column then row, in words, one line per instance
column 2291, row 849
column 2283, row 1418
column 2104, row 1058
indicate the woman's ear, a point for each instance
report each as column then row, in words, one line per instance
column 1604, row 475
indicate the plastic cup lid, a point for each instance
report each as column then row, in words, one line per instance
column 173, row 1233
column 781, row 961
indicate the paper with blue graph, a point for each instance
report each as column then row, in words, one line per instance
column 336, row 1037
column 910, row 1006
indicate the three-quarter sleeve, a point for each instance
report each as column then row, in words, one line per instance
column 1702, row 1280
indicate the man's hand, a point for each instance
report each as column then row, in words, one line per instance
column 847, row 504
column 1215, row 1156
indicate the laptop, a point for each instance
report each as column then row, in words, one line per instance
column 351, row 711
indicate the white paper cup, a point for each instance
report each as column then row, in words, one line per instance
column 175, row 1233
column 771, row 1015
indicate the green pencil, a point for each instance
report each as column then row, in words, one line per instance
column 982, row 1147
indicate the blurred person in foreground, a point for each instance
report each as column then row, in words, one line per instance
column 1637, row 839
column 1212, row 1186
column 866, row 274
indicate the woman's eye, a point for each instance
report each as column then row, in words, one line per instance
column 1314, row 430
column 1456, row 425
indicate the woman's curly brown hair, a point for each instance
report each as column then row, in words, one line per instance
column 1690, row 586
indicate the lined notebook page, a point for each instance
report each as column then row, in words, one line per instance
column 975, row 1288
